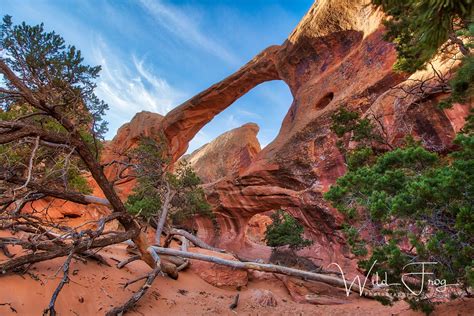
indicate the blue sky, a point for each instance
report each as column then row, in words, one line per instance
column 156, row 54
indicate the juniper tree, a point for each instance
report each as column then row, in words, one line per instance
column 285, row 231
column 162, row 193
column 409, row 195
column 419, row 28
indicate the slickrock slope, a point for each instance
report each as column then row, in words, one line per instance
column 336, row 57
column 226, row 155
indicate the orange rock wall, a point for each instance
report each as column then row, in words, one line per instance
column 336, row 57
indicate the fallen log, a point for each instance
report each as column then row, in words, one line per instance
column 87, row 244
column 195, row 240
column 331, row 280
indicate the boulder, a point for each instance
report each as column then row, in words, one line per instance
column 218, row 275
column 263, row 298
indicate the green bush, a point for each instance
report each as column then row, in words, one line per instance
column 285, row 231
column 155, row 181
column 411, row 195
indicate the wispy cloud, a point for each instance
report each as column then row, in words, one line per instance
column 128, row 86
column 232, row 122
column 249, row 114
column 187, row 30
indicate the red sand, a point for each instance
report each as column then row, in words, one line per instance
column 95, row 288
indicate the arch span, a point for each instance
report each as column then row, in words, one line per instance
column 184, row 122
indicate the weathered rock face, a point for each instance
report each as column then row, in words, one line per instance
column 218, row 275
column 257, row 227
column 336, row 57
column 227, row 155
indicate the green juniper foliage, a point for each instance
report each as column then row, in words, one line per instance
column 348, row 126
column 407, row 195
column 155, row 181
column 285, row 231
column 411, row 195
column 56, row 75
column 420, row 27
column 462, row 84
column 47, row 66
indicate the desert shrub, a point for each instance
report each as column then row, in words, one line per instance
column 285, row 231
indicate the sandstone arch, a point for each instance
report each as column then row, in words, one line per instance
column 321, row 56
column 336, row 54
column 182, row 123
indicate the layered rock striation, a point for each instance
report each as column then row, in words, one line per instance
column 227, row 155
column 336, row 57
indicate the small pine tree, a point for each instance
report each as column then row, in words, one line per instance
column 175, row 196
column 411, row 195
column 285, row 231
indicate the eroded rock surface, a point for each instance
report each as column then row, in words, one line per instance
column 218, row 275
column 336, row 57
column 143, row 124
column 227, row 155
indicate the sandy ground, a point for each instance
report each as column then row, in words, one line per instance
column 95, row 288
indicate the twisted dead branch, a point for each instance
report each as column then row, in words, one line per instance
column 331, row 280
column 51, row 310
column 120, row 310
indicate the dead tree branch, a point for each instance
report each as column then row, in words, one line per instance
column 334, row 281
column 123, row 263
column 51, row 310
column 56, row 251
column 120, row 310
column 195, row 240
column 30, row 165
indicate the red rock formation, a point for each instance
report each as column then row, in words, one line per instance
column 143, row 124
column 227, row 155
column 336, row 57
column 218, row 275
column 256, row 228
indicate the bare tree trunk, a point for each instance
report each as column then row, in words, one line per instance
column 334, row 281
column 164, row 213
column 195, row 240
